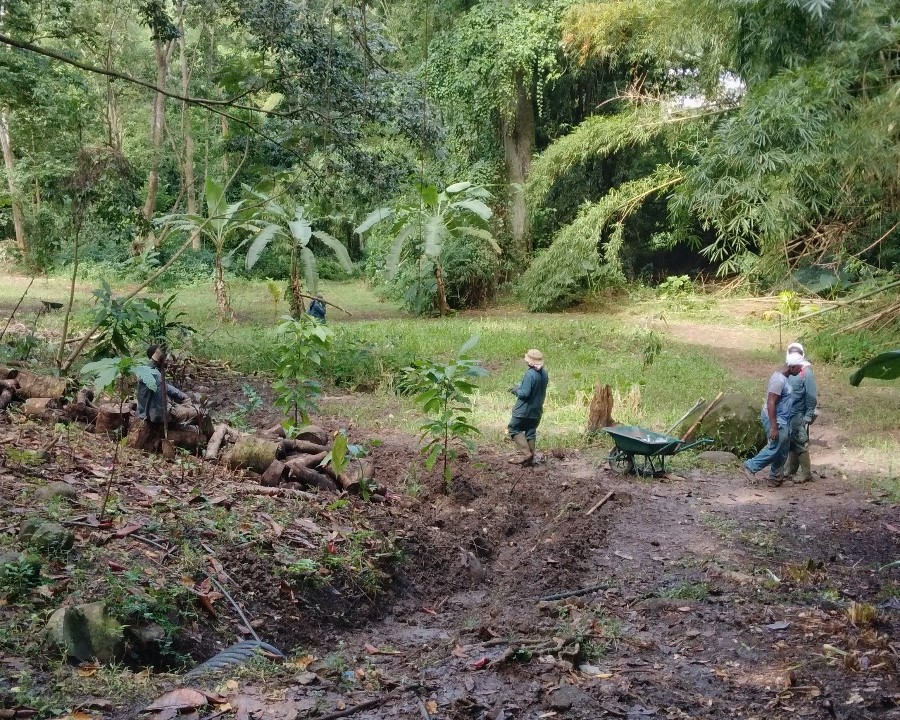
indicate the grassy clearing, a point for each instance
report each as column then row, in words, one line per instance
column 612, row 345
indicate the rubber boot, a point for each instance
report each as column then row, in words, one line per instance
column 531, row 446
column 525, row 456
column 791, row 464
column 805, row 468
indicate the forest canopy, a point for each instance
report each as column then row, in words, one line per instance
column 608, row 141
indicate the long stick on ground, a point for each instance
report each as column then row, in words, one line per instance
column 13, row 314
column 575, row 593
column 234, row 605
column 599, row 504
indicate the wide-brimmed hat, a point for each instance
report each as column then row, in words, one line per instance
column 535, row 358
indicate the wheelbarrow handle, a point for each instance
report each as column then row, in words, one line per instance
column 702, row 441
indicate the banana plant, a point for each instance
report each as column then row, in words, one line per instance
column 420, row 228
column 294, row 226
column 222, row 221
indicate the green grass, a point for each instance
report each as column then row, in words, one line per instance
column 608, row 346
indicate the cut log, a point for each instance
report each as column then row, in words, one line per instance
column 312, row 478
column 600, row 415
column 40, row 386
column 276, row 431
column 215, row 441
column 357, row 472
column 309, row 461
column 187, row 438
column 112, row 419
column 6, row 397
column 144, row 435
column 274, row 474
column 252, row 453
column 8, row 373
column 83, row 408
column 11, row 384
column 40, row 408
column 313, row 434
column 288, row 447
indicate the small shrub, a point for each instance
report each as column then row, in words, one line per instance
column 302, row 345
column 444, row 392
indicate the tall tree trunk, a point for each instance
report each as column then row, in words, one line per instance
column 113, row 123
column 298, row 305
column 163, row 52
column 518, row 146
column 187, row 165
column 226, row 312
column 9, row 162
column 443, row 307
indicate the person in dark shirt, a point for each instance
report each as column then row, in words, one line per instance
column 317, row 309
column 526, row 413
column 180, row 410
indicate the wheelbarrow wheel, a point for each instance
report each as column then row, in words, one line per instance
column 621, row 462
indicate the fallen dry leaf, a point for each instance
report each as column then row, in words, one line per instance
column 180, row 699
column 431, row 707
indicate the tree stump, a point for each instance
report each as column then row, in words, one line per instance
column 143, row 435
column 600, row 415
column 8, row 373
column 112, row 419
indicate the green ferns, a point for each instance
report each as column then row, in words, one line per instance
column 573, row 263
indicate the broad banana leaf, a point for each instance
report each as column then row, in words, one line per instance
column 881, row 367
column 374, row 217
column 263, row 237
column 337, row 247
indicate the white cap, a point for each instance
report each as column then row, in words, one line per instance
column 793, row 358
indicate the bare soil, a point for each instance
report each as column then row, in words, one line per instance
column 716, row 599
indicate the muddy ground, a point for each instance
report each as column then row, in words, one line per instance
column 711, row 598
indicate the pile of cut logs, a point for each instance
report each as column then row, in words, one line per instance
column 279, row 460
column 293, row 461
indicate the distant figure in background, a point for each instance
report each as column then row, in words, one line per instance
column 803, row 392
column 317, row 309
column 776, row 421
column 150, row 402
column 526, row 413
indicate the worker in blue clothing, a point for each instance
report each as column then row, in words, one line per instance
column 526, row 413
column 179, row 409
column 317, row 309
column 803, row 391
column 776, row 421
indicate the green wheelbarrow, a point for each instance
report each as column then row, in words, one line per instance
column 643, row 451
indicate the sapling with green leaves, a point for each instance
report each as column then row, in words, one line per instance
column 301, row 346
column 342, row 453
column 444, row 392
column 112, row 375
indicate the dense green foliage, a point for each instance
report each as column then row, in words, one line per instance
column 620, row 139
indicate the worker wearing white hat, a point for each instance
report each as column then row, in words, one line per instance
column 776, row 420
column 803, row 392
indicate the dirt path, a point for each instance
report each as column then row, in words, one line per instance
column 718, row 600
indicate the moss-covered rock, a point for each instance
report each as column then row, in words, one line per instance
column 28, row 527
column 85, row 632
column 52, row 539
column 56, row 490
column 733, row 425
